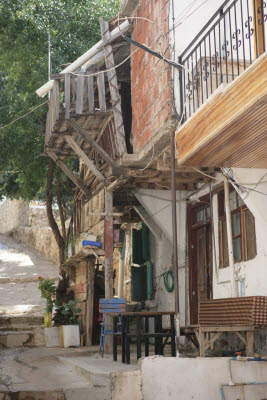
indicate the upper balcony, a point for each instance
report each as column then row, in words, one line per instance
column 223, row 90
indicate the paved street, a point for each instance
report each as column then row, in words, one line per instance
column 20, row 267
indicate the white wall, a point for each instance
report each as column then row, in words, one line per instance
column 249, row 274
column 201, row 378
column 158, row 205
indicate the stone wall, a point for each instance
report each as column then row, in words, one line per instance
column 40, row 239
column 151, row 77
column 13, row 213
column 38, row 216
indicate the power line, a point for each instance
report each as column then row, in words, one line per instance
column 22, row 116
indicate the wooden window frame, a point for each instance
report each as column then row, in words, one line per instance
column 243, row 234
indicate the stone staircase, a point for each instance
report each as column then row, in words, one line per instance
column 21, row 331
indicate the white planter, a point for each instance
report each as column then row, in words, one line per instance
column 70, row 336
column 52, row 336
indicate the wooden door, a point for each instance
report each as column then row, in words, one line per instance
column 200, row 271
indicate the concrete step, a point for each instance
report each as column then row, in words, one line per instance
column 96, row 370
column 19, row 328
column 22, row 338
column 32, row 395
column 8, row 321
column 90, row 393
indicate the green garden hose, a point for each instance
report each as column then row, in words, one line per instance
column 166, row 275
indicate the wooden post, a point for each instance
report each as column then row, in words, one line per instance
column 115, row 323
column 114, row 89
column 201, row 342
column 108, row 258
column 250, row 341
column 90, row 300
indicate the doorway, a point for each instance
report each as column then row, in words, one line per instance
column 200, row 257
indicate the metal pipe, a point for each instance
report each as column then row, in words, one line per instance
column 234, row 292
column 116, row 33
column 174, row 231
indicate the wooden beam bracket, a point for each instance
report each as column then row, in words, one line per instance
column 70, row 174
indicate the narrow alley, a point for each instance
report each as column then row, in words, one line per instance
column 28, row 370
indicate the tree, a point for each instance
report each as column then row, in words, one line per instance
column 24, row 26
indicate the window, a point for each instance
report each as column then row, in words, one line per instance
column 243, row 230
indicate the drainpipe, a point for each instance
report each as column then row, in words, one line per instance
column 174, row 232
column 234, row 292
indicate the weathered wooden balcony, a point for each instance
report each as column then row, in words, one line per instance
column 223, row 90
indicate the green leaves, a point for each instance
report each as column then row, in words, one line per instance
column 24, row 26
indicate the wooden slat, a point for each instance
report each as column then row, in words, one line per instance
column 91, row 95
column 114, row 90
column 80, row 90
column 67, row 96
column 101, row 92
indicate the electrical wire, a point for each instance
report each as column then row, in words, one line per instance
column 181, row 20
column 23, row 116
column 244, row 185
column 106, row 70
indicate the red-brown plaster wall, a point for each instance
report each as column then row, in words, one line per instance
column 151, row 77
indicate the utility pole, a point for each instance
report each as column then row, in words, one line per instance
column 175, row 241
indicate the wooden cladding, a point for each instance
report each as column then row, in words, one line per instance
column 230, row 129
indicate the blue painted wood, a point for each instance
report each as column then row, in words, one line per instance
column 90, row 243
column 109, row 306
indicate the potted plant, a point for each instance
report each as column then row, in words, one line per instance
column 47, row 288
column 48, row 291
column 67, row 317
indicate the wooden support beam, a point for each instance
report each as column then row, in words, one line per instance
column 113, row 214
column 108, row 258
column 93, row 143
column 114, row 89
column 70, row 174
column 90, row 300
column 84, row 157
column 118, row 182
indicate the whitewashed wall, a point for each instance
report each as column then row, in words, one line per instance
column 250, row 274
column 158, row 204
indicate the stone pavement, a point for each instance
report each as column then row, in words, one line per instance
column 59, row 374
column 20, row 267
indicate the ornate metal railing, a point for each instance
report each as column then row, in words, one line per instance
column 232, row 39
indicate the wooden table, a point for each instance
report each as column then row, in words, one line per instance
column 140, row 334
column 203, row 337
column 208, row 335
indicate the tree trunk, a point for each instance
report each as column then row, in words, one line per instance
column 49, row 202
column 59, row 203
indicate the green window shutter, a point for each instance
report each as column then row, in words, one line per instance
column 139, row 283
column 145, row 243
column 137, row 247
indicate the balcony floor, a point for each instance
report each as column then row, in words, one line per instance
column 230, row 129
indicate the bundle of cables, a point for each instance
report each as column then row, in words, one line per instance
column 167, row 276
